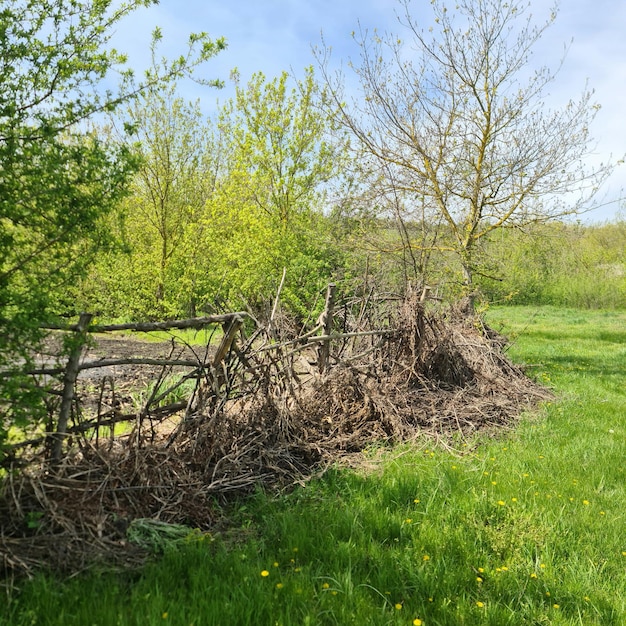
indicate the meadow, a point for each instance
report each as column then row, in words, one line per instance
column 524, row 525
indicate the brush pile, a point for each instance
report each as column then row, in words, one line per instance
column 267, row 414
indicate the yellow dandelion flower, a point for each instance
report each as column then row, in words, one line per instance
column 417, row 622
column 533, row 575
column 480, row 604
column 501, row 502
column 333, row 593
column 398, row 606
column 279, row 585
column 505, row 569
column 426, row 558
column 275, row 563
column 481, row 570
column 493, row 482
column 297, row 569
column 498, row 569
column 479, row 579
column 586, row 598
column 602, row 513
column 325, row 586
column 417, row 500
column 265, row 573
column 408, row 520
column 548, row 593
column 586, row 502
column 164, row 616
column 624, row 553
column 556, row 606
column 513, row 499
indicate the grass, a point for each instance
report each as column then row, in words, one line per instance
column 523, row 527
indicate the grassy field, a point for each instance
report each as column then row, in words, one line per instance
column 526, row 526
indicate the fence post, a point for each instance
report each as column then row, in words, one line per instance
column 327, row 322
column 69, row 380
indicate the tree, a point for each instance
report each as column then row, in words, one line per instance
column 179, row 163
column 454, row 120
column 58, row 178
column 281, row 159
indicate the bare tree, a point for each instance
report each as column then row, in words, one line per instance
column 456, row 117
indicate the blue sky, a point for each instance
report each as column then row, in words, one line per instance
column 275, row 35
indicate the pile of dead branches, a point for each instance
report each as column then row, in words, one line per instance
column 269, row 415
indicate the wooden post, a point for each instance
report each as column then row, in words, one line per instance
column 69, row 380
column 327, row 322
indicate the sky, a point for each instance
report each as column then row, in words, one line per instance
column 272, row 36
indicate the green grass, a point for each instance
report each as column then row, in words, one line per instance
column 528, row 527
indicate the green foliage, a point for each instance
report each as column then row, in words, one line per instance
column 559, row 264
column 218, row 210
column 59, row 178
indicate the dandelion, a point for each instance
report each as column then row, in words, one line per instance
column 479, row 579
column 548, row 593
column 505, row 568
column 265, row 573
column 556, row 606
column 480, row 604
column 417, row 622
column 493, row 482
column 542, row 566
column 586, row 502
column 279, row 585
column 533, row 575
column 164, row 616
column 481, row 570
column 426, row 558
column 417, row 500
column 513, row 499
column 587, row 599
column 624, row 553
column 325, row 586
column 398, row 606
column 602, row 513
column 408, row 520
column 275, row 563
column 501, row 502
column 297, row 569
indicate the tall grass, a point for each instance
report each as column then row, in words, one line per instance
column 523, row 526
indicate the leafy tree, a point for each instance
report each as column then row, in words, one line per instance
column 453, row 120
column 281, row 160
column 59, row 179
